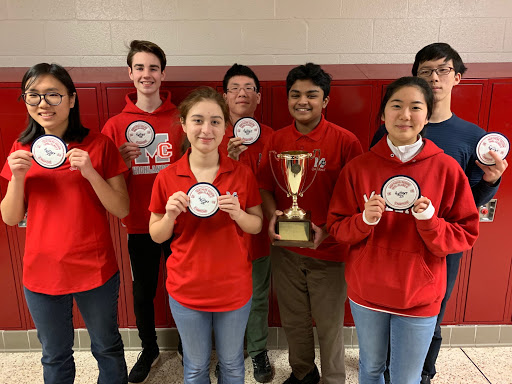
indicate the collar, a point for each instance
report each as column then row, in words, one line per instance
column 406, row 152
column 183, row 166
column 316, row 134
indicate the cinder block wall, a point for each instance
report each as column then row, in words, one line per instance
column 220, row 32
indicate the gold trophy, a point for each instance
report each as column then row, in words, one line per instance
column 294, row 226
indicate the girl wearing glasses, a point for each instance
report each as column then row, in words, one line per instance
column 68, row 250
column 396, row 271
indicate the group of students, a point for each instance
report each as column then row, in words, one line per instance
column 397, row 267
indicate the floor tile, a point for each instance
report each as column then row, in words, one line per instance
column 453, row 366
column 495, row 363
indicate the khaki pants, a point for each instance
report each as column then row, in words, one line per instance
column 308, row 289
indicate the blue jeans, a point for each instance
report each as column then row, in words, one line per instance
column 53, row 317
column 408, row 338
column 452, row 269
column 195, row 328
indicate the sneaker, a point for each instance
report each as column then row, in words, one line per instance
column 312, row 377
column 140, row 371
column 425, row 379
column 263, row 372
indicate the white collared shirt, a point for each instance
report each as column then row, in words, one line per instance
column 406, row 152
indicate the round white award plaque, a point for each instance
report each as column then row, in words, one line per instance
column 248, row 129
column 204, row 200
column 400, row 192
column 141, row 133
column 49, row 151
column 493, row 141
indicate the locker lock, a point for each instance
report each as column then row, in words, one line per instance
column 487, row 211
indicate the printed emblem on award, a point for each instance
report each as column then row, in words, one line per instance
column 400, row 192
column 294, row 227
column 141, row 133
column 493, row 141
column 49, row 151
column 204, row 200
column 248, row 129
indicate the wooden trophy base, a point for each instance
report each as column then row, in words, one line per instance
column 294, row 232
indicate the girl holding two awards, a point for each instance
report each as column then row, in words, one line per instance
column 402, row 207
column 207, row 201
column 66, row 178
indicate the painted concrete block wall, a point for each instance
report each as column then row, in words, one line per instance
column 220, row 32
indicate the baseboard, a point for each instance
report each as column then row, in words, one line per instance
column 453, row 336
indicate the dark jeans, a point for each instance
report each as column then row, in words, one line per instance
column 145, row 257
column 53, row 318
column 452, row 269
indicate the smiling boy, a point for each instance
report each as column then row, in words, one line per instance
column 310, row 283
column 147, row 110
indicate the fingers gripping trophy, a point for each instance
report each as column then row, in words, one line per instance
column 294, row 227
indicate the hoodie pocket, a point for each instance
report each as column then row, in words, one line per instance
column 392, row 278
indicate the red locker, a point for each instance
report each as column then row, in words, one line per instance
column 488, row 286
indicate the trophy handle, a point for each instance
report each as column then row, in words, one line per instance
column 316, row 153
column 270, row 153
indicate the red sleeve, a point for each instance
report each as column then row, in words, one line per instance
column 344, row 218
column 113, row 163
column 265, row 177
column 159, row 195
column 455, row 227
column 352, row 149
column 253, row 194
column 6, row 170
column 109, row 130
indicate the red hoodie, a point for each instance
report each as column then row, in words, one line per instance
column 164, row 151
column 399, row 264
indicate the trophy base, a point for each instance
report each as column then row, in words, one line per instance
column 294, row 232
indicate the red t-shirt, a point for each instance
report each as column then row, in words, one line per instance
column 164, row 150
column 68, row 246
column 208, row 269
column 259, row 245
column 337, row 147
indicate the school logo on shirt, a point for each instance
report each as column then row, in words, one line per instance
column 320, row 163
column 160, row 151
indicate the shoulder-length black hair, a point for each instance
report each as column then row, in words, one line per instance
column 75, row 131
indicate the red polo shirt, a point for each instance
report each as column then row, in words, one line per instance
column 208, row 269
column 337, row 147
column 68, row 246
column 259, row 245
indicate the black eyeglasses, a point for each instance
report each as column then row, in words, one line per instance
column 427, row 72
column 33, row 99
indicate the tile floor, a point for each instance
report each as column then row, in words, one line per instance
column 455, row 366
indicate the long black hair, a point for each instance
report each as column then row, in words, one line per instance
column 75, row 131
